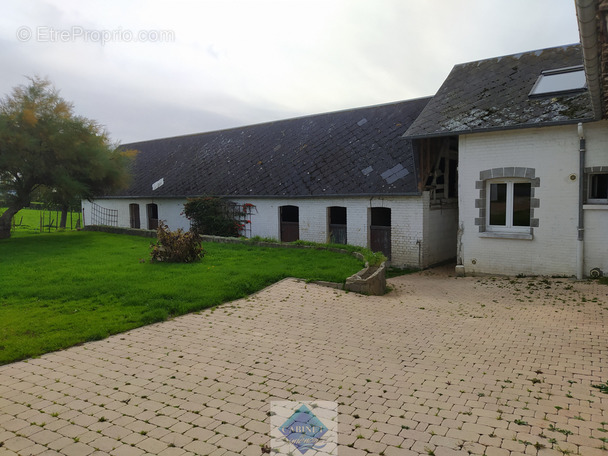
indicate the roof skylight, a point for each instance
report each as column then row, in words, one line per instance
column 571, row 79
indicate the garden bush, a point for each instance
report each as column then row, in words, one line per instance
column 176, row 246
column 216, row 216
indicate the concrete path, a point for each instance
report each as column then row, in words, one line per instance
column 440, row 366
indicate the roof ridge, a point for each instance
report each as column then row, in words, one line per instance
column 517, row 54
column 269, row 122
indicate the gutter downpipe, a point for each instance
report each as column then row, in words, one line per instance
column 580, row 248
column 586, row 12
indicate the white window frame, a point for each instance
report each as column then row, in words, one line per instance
column 508, row 226
column 589, row 191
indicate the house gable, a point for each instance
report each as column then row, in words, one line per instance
column 494, row 94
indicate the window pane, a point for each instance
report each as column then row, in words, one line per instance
column 521, row 204
column 599, row 186
column 560, row 82
column 498, row 204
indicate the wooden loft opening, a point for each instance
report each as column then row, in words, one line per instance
column 438, row 167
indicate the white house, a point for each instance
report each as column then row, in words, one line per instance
column 504, row 169
column 347, row 177
column 521, row 122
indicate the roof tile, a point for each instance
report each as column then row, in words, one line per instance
column 315, row 155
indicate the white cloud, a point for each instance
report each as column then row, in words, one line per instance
column 237, row 62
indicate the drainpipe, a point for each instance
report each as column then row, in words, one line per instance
column 581, row 218
column 587, row 15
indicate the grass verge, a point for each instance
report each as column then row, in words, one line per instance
column 62, row 289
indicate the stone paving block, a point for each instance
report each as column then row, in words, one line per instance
column 201, row 447
column 429, row 377
column 151, row 445
column 370, row 446
column 173, row 451
column 348, row 451
column 127, row 450
column 77, row 449
column 231, row 444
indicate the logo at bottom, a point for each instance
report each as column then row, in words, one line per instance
column 304, row 430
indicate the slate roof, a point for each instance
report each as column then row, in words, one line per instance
column 353, row 152
column 492, row 94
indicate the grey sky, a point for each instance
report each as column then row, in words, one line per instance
column 205, row 65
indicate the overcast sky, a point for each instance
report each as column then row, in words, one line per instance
column 148, row 69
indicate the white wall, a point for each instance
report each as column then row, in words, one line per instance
column 596, row 216
column 409, row 215
column 169, row 209
column 554, row 153
column 406, row 214
column 441, row 228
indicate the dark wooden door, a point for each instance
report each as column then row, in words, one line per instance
column 380, row 240
column 290, row 231
column 152, row 216
column 380, row 231
column 290, row 223
column 337, row 234
column 337, row 225
column 134, row 215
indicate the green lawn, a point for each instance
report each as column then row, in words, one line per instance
column 64, row 288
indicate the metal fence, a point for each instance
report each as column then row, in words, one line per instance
column 103, row 216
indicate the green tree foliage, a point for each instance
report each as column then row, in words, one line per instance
column 45, row 146
column 214, row 216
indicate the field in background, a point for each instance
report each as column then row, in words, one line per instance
column 42, row 220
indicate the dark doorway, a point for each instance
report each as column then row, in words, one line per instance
column 380, row 231
column 152, row 216
column 134, row 215
column 290, row 223
column 337, row 225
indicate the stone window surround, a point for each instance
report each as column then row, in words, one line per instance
column 506, row 173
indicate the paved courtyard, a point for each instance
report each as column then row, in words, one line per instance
column 439, row 366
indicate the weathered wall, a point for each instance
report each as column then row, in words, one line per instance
column 596, row 216
column 553, row 154
column 408, row 221
column 441, row 228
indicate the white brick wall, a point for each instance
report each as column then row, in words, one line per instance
column 440, row 234
column 409, row 216
column 406, row 214
column 553, row 153
column 169, row 209
column 596, row 216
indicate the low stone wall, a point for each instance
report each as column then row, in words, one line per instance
column 370, row 280
column 119, row 230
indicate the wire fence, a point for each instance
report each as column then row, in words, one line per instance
column 103, row 216
column 39, row 217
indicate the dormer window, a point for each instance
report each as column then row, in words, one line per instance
column 563, row 80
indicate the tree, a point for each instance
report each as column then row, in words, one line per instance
column 44, row 145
